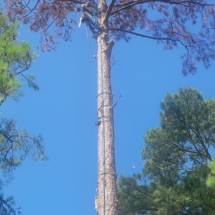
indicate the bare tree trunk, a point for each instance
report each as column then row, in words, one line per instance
column 106, row 199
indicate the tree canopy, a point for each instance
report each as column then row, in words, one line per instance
column 175, row 157
column 172, row 23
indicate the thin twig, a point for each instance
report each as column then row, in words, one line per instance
column 116, row 102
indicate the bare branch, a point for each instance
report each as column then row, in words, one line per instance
column 117, row 101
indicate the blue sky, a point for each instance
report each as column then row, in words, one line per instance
column 64, row 112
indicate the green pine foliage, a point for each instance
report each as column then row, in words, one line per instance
column 211, row 176
column 7, row 205
column 15, row 59
column 176, row 157
column 15, row 144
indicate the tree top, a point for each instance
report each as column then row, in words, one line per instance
column 173, row 23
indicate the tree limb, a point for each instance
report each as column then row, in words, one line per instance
column 74, row 1
column 201, row 142
column 131, row 4
column 80, row 2
column 20, row 72
column 31, row 10
column 10, row 208
column 117, row 102
column 146, row 36
column 109, row 9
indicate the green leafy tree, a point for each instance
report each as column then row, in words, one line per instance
column 175, row 157
column 15, row 144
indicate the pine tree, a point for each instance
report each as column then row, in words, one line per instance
column 174, row 24
column 175, row 157
column 211, row 178
column 15, row 59
column 15, row 144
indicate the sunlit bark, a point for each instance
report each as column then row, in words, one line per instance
column 106, row 197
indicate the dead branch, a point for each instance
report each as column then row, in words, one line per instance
column 109, row 9
column 81, row 2
column 117, row 102
column 74, row 1
column 131, row 4
column 31, row 10
column 146, row 36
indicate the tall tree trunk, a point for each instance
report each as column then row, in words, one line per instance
column 106, row 199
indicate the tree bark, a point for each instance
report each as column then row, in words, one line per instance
column 106, row 199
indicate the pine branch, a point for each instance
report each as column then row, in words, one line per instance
column 4, row 202
column 74, row 1
column 31, row 10
column 2, row 101
column 146, row 36
column 26, row 5
column 80, row 2
column 30, row 80
column 131, row 4
column 26, row 68
column 110, row 7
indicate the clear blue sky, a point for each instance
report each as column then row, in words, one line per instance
column 64, row 112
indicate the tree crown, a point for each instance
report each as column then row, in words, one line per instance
column 174, row 22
